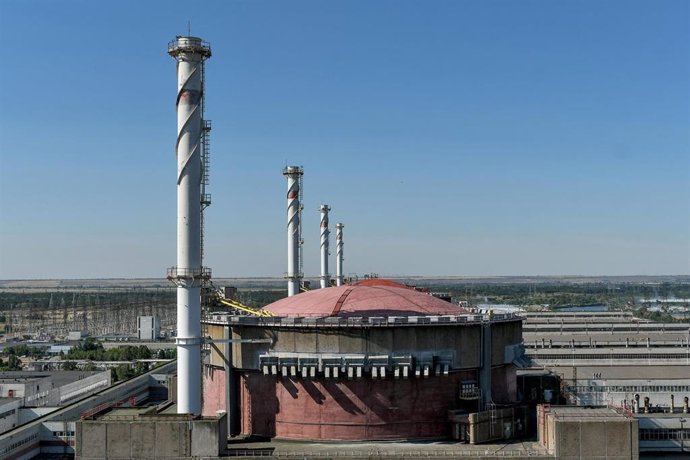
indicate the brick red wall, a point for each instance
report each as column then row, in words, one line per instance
column 213, row 387
column 349, row 409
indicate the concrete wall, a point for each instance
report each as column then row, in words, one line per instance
column 159, row 436
column 592, row 440
column 103, row 439
column 496, row 425
column 9, row 413
column 85, row 386
column 592, row 436
column 148, row 328
column 24, row 445
column 209, row 437
column 33, row 390
column 216, row 332
column 463, row 342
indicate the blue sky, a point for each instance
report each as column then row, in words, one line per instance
column 450, row 137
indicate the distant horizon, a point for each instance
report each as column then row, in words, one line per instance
column 362, row 276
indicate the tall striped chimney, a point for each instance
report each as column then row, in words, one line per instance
column 339, row 279
column 293, row 275
column 325, row 234
column 190, row 54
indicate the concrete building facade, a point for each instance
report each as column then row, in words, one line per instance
column 577, row 433
column 148, row 328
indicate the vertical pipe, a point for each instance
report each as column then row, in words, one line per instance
column 190, row 53
column 293, row 276
column 339, row 254
column 232, row 408
column 673, row 407
column 485, row 370
column 325, row 234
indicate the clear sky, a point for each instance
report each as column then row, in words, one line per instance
column 450, row 137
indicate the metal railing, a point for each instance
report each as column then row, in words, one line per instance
column 353, row 453
column 374, row 321
column 192, row 44
column 188, row 273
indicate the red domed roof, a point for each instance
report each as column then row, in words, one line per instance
column 367, row 298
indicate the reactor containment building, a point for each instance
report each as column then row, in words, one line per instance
column 372, row 360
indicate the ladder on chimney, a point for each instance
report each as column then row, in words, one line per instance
column 205, row 198
column 300, row 240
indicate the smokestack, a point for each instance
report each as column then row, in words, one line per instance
column 190, row 54
column 294, row 208
column 325, row 234
column 339, row 254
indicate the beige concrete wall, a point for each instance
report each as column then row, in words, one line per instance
column 462, row 341
column 596, row 440
column 216, row 332
column 142, row 434
column 148, row 437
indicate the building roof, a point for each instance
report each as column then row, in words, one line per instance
column 582, row 414
column 373, row 297
column 620, row 371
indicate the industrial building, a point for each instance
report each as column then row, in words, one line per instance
column 148, row 328
column 359, row 361
column 50, row 431
column 149, row 432
column 614, row 360
column 40, row 389
column 588, row 433
column 370, row 360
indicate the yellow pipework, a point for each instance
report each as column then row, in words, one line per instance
column 239, row 306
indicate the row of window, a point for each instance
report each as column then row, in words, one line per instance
column 63, row 434
column 13, row 446
column 664, row 435
column 7, row 413
column 631, row 388
column 542, row 355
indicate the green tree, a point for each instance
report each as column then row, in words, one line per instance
column 12, row 364
column 122, row 372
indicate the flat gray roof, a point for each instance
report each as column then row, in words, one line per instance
column 386, row 449
column 666, row 372
column 587, row 413
column 60, row 378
